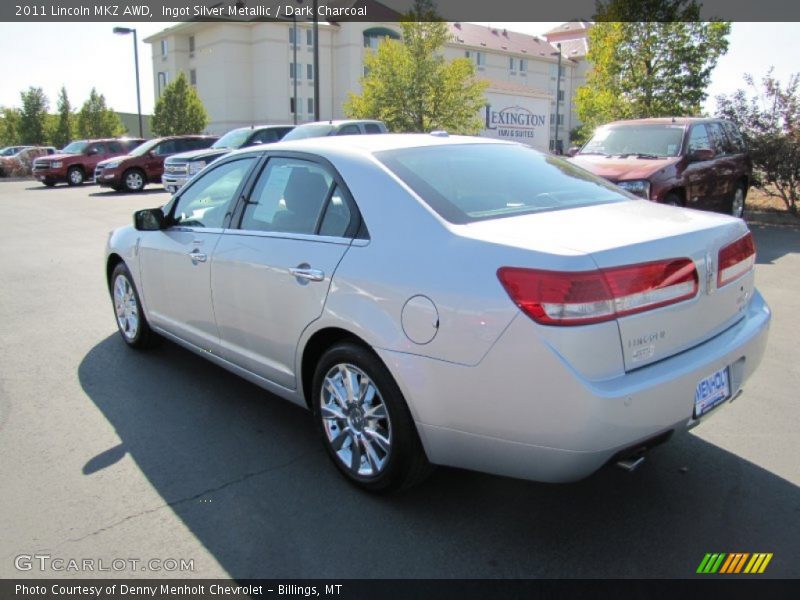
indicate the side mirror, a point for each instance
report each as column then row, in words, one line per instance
column 149, row 219
column 573, row 150
column 701, row 154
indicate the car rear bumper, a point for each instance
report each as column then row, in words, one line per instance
column 524, row 412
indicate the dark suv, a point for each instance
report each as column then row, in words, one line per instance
column 146, row 164
column 180, row 167
column 77, row 161
column 699, row 163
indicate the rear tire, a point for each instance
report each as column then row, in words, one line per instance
column 75, row 176
column 737, row 202
column 131, row 322
column 366, row 427
column 133, row 180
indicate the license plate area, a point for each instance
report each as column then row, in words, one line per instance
column 712, row 391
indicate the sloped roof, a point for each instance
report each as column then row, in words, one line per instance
column 480, row 36
column 506, row 86
column 571, row 26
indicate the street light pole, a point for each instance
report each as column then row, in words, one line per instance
column 316, row 63
column 558, row 93
column 294, row 65
column 126, row 31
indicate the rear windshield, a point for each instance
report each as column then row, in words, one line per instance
column 654, row 140
column 309, row 131
column 474, row 182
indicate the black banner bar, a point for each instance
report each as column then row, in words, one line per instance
column 364, row 10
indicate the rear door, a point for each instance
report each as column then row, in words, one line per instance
column 270, row 276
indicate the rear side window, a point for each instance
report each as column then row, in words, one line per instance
column 372, row 128
column 473, row 182
column 265, row 136
column 735, row 137
column 349, row 130
column 719, row 140
column 115, row 148
column 698, row 138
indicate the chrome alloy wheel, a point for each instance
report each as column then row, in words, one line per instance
column 737, row 206
column 75, row 176
column 134, row 181
column 355, row 420
column 126, row 307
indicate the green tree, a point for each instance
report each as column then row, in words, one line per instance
column 9, row 126
column 96, row 120
column 649, row 58
column 63, row 128
column 179, row 110
column 411, row 87
column 769, row 119
column 33, row 117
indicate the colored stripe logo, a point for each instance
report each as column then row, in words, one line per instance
column 734, row 563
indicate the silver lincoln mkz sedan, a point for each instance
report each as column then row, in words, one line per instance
column 448, row 300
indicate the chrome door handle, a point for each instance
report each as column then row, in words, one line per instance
column 198, row 257
column 310, row 274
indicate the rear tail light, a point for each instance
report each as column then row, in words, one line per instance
column 736, row 259
column 584, row 297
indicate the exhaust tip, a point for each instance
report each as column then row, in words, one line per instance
column 630, row 464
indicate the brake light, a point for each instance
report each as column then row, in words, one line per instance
column 584, row 297
column 736, row 259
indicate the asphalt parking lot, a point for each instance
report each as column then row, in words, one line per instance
column 107, row 453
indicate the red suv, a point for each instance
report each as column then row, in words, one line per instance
column 699, row 163
column 76, row 162
column 146, row 164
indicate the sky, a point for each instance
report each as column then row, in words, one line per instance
column 85, row 55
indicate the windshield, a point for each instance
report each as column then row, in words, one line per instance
column 473, row 182
column 308, row 131
column 8, row 151
column 233, row 139
column 625, row 140
column 75, row 148
column 146, row 147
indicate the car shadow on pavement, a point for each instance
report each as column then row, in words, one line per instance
column 245, row 472
column 774, row 242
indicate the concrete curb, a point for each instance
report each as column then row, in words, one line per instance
column 771, row 218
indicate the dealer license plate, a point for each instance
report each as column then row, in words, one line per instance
column 711, row 391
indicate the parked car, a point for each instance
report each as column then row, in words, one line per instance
column 76, row 162
column 326, row 128
column 20, row 164
column 180, row 167
column 589, row 326
column 699, row 163
column 146, row 163
column 11, row 150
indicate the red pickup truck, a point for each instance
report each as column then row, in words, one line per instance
column 77, row 161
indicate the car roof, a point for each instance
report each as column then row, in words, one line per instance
column 665, row 121
column 369, row 144
column 340, row 122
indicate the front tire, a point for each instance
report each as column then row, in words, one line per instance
column 75, row 176
column 131, row 322
column 133, row 180
column 366, row 427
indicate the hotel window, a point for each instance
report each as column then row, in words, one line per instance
column 560, row 95
column 291, row 106
column 479, row 58
column 374, row 36
column 311, row 106
column 523, row 65
column 164, row 48
column 193, row 77
column 309, row 37
column 309, row 72
column 191, row 46
column 553, row 119
column 512, row 64
column 294, row 68
column 291, row 35
column 163, row 80
column 554, row 69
